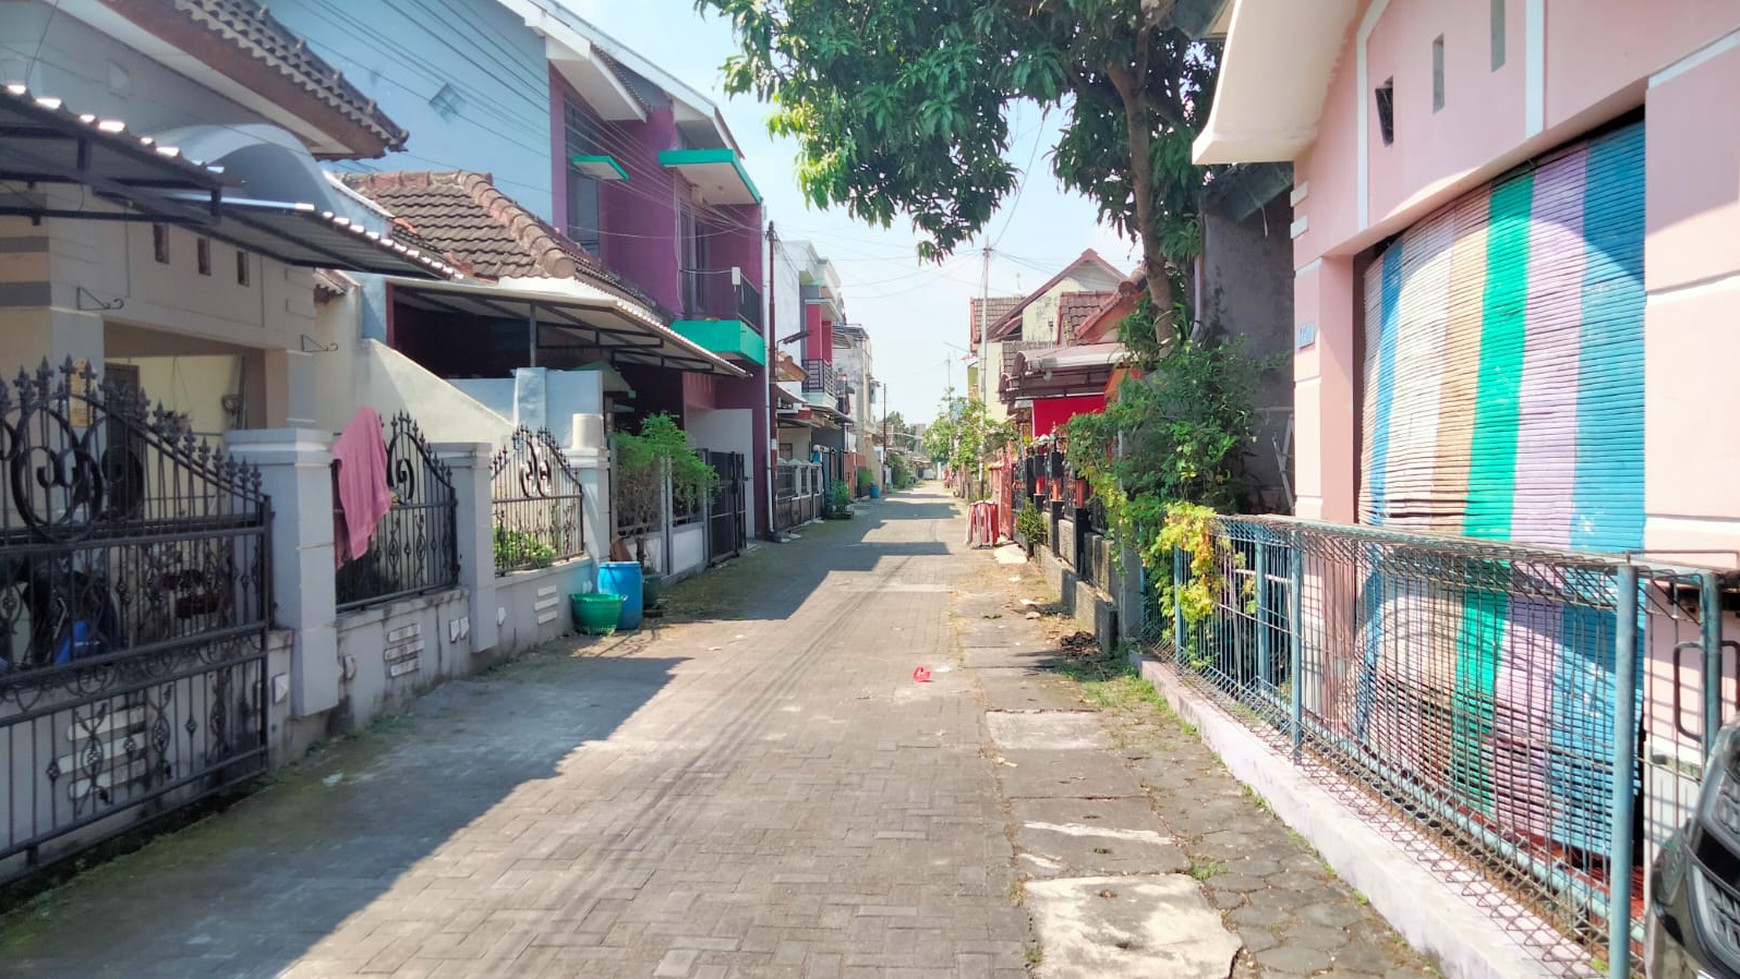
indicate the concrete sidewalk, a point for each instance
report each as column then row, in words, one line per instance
column 1140, row 854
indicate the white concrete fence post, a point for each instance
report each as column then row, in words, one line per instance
column 589, row 455
column 474, row 523
column 296, row 472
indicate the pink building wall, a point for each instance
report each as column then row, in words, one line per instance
column 641, row 240
column 639, row 215
column 1570, row 65
column 818, row 334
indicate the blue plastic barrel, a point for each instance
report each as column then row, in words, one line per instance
column 875, row 492
column 623, row 578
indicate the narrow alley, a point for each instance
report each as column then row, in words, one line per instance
column 760, row 787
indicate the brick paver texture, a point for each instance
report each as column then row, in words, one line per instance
column 768, row 793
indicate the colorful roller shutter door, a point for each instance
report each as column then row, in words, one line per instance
column 1504, row 400
column 1504, row 359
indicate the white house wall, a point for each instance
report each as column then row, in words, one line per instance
column 70, row 287
column 729, row 430
column 389, row 382
column 1039, row 319
column 786, row 302
column 59, row 56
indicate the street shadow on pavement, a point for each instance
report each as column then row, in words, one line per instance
column 775, row 580
column 248, row 891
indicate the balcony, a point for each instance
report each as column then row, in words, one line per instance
column 722, row 313
column 823, row 385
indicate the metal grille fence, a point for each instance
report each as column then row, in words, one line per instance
column 416, row 546
column 1492, row 697
column 797, row 494
column 537, row 504
column 134, row 605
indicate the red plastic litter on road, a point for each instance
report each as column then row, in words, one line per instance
column 921, row 675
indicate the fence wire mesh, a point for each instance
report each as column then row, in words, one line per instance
column 1463, row 694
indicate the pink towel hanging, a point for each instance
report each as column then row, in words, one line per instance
column 361, row 485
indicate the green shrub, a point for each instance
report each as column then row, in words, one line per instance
column 1033, row 526
column 837, row 505
column 519, row 550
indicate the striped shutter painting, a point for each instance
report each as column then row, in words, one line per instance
column 1503, row 400
column 1504, row 359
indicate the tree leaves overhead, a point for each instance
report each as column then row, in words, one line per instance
column 901, row 106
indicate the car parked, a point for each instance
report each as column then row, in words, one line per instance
column 1693, row 931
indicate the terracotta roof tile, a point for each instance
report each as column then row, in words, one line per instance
column 485, row 232
column 1010, row 324
column 252, row 31
column 996, row 307
column 1076, row 306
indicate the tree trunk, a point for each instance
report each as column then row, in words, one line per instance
column 1138, row 120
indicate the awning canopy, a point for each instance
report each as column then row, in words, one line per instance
column 598, row 167
column 297, row 234
column 1275, row 70
column 41, row 141
column 717, row 173
column 1083, row 357
column 624, row 331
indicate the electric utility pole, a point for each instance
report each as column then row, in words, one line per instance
column 984, row 319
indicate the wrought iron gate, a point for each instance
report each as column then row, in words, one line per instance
column 134, row 606
column 537, row 502
column 416, row 545
column 726, row 531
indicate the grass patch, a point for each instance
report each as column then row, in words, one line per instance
column 1206, row 869
column 1034, row 955
column 1258, row 800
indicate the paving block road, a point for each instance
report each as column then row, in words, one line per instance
column 757, row 788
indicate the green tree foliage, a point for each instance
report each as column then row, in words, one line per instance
column 638, row 469
column 900, row 471
column 965, row 435
column 1177, row 434
column 903, row 107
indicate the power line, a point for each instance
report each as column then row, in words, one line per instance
column 1026, row 172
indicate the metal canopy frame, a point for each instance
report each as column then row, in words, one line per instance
column 297, row 234
column 611, row 331
column 41, row 141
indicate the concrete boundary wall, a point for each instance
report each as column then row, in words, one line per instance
column 1440, row 917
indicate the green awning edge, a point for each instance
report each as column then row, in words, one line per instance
column 682, row 158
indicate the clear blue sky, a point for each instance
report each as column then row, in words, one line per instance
column 911, row 309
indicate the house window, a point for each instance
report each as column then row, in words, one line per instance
column 585, row 213
column 1497, row 34
column 1438, row 73
column 692, row 240
column 446, row 102
column 202, row 255
column 1386, row 109
column 160, row 243
column 241, row 267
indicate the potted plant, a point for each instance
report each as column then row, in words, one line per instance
column 837, row 505
column 639, row 467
